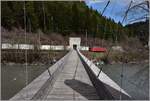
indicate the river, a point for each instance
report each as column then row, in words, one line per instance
column 14, row 76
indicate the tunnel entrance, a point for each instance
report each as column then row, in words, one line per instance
column 74, row 46
column 74, row 42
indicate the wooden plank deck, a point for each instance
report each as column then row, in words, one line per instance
column 73, row 82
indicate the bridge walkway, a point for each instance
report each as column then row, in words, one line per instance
column 73, row 82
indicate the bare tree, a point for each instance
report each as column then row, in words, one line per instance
column 137, row 11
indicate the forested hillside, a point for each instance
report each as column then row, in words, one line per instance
column 61, row 17
column 141, row 30
column 67, row 17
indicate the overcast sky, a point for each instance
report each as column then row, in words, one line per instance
column 115, row 9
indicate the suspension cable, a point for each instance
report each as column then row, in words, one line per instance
column 26, row 64
column 122, row 69
column 121, row 75
column 105, row 7
column 104, row 36
column 126, row 12
column 44, row 16
column 105, row 20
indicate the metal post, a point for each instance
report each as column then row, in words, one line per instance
column 39, row 40
column 52, row 23
column 25, row 49
column 29, row 25
column 121, row 81
column 86, row 37
column 44, row 15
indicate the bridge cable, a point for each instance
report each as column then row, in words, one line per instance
column 124, row 61
column 105, row 7
column 44, row 23
column 112, row 9
column 26, row 60
column 105, row 21
column 126, row 12
column 122, row 70
column 108, row 55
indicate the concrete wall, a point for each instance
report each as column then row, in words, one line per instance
column 16, row 46
column 42, row 47
column 84, row 48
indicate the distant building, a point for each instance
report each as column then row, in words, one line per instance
column 74, row 42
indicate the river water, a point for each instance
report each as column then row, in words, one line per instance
column 135, row 80
column 13, row 74
column 13, row 78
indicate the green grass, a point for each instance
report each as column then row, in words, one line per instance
column 93, row 55
column 96, row 54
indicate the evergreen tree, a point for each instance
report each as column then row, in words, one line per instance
column 63, row 17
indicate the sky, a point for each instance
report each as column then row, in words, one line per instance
column 115, row 10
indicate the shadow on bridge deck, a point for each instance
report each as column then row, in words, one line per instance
column 73, row 82
column 83, row 88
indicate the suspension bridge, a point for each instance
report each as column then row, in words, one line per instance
column 73, row 77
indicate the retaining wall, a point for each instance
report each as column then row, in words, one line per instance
column 42, row 47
